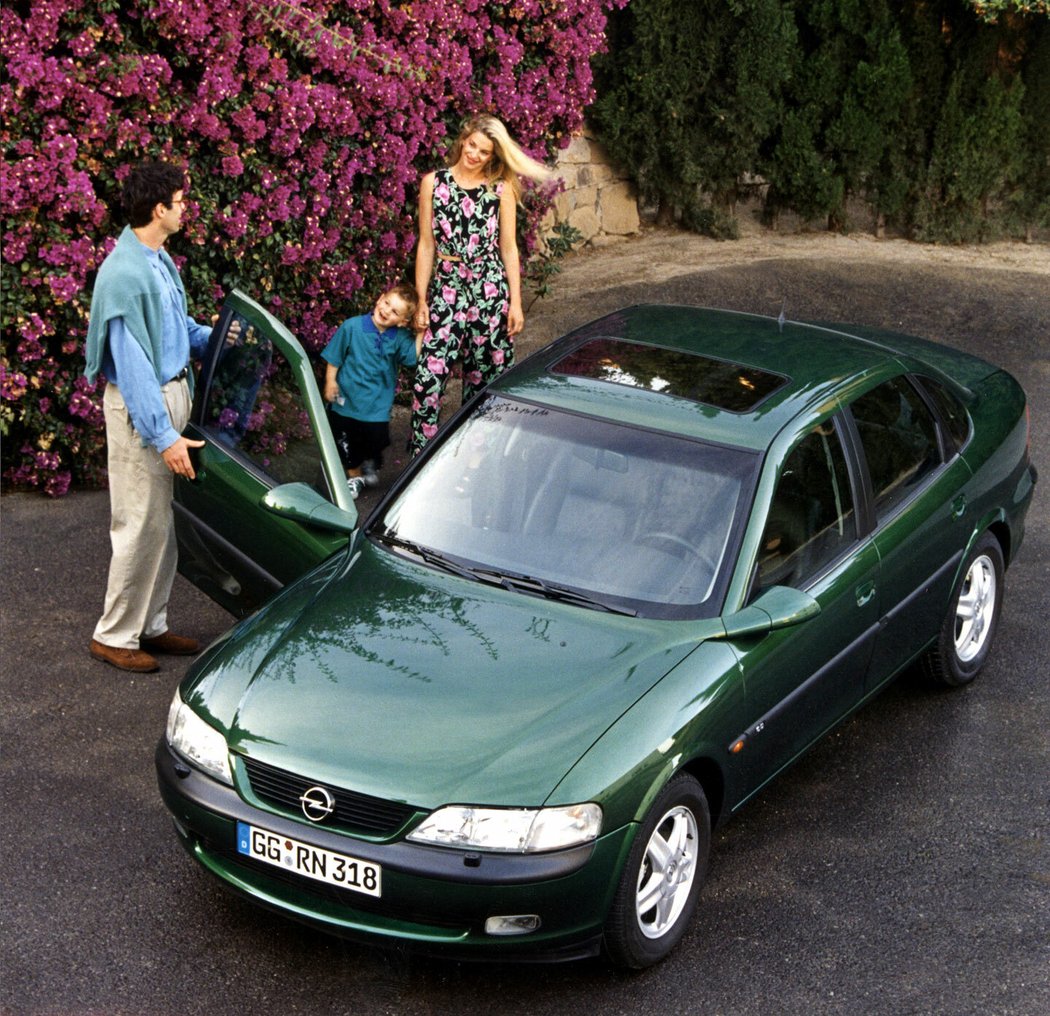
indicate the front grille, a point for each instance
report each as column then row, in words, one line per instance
column 358, row 812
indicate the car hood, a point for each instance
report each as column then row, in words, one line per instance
column 412, row 685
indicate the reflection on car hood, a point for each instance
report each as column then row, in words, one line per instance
column 412, row 685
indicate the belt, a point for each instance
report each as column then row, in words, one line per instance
column 181, row 374
column 486, row 255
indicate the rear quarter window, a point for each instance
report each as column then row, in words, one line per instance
column 951, row 410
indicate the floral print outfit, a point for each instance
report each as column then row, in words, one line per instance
column 468, row 299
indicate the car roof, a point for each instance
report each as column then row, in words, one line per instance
column 812, row 365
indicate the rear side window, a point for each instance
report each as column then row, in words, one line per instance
column 811, row 519
column 951, row 410
column 899, row 436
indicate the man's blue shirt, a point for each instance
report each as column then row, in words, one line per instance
column 126, row 365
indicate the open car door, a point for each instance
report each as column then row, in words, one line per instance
column 270, row 499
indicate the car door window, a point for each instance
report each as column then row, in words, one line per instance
column 254, row 406
column 899, row 437
column 811, row 517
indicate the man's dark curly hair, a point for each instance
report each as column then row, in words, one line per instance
column 150, row 184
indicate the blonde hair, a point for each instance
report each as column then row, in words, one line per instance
column 407, row 294
column 508, row 161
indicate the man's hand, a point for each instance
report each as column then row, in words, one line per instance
column 177, row 457
column 233, row 333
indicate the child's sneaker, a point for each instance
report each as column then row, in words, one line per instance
column 356, row 485
column 369, row 474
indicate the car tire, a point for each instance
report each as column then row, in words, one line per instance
column 966, row 636
column 660, row 884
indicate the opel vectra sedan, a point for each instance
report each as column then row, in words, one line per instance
column 626, row 586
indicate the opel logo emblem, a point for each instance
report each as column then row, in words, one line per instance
column 317, row 803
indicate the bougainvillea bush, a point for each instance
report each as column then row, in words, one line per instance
column 303, row 125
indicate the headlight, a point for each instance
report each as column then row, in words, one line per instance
column 523, row 831
column 195, row 741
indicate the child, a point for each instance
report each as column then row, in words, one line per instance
column 363, row 358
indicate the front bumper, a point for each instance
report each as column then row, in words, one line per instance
column 435, row 898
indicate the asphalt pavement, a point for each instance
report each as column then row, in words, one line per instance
column 901, row 867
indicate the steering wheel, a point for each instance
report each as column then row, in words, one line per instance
column 662, row 539
column 660, row 536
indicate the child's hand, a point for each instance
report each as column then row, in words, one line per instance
column 331, row 391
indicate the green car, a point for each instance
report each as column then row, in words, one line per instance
column 624, row 588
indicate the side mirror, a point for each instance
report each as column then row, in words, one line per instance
column 777, row 607
column 301, row 503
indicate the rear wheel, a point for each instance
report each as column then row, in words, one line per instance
column 968, row 631
column 661, row 880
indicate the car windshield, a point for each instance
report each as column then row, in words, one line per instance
column 558, row 504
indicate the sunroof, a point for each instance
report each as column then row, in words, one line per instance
column 720, row 383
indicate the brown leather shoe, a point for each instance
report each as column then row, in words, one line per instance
column 173, row 645
column 124, row 659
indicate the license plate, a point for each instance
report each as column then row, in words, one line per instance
column 310, row 861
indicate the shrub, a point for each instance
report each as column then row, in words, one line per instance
column 303, row 126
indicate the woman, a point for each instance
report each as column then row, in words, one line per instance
column 468, row 276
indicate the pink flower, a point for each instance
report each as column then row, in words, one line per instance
column 57, row 484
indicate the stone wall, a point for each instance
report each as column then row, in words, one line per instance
column 598, row 200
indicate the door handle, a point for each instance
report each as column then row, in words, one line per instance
column 865, row 592
column 959, row 507
column 198, row 469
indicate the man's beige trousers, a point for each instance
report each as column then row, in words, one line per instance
column 142, row 527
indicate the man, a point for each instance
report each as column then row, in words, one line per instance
column 140, row 337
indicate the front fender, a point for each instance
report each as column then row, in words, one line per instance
column 684, row 717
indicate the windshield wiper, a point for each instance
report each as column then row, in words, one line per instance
column 508, row 580
column 426, row 554
column 549, row 590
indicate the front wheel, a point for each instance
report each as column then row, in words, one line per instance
column 661, row 880
column 968, row 631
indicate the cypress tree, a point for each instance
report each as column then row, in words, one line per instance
column 844, row 133
column 975, row 161
column 688, row 91
column 1032, row 201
